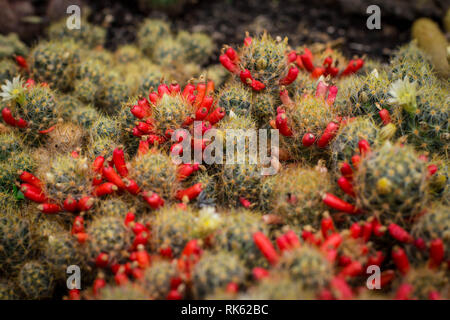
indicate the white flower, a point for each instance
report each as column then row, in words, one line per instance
column 404, row 93
column 208, row 221
column 12, row 90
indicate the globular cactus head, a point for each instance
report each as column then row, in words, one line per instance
column 35, row 280
column 8, row 70
column 168, row 52
column 65, row 138
column 88, row 35
column 297, row 195
column 172, row 228
column 214, row 271
column 68, row 105
column 197, row 46
column 426, row 282
column 10, row 46
column 235, row 98
column 10, row 145
column 108, row 234
column 129, row 291
column 54, row 62
column 150, row 32
column 11, row 169
column 8, row 290
column 111, row 94
column 390, row 182
column 127, row 53
column 157, row 279
column 115, row 207
column 85, row 116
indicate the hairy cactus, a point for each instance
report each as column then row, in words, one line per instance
column 172, row 229
column 68, row 105
column 150, row 32
column 65, row 177
column 16, row 241
column 297, row 195
column 308, row 266
column 197, row 46
column 55, row 63
column 108, row 234
column 426, row 283
column 7, row 290
column 33, row 108
column 111, row 94
column 88, row 34
column 129, row 291
column 390, row 182
column 8, row 70
column 10, row 145
column 150, row 78
column 234, row 97
column 127, row 53
column 10, row 169
column 36, row 280
column 85, row 116
column 217, row 74
column 65, row 138
column 236, row 235
column 114, row 207
column 157, row 279
column 168, row 52
column 214, row 271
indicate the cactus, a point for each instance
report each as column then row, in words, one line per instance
column 426, row 282
column 61, row 251
column 10, row 145
column 214, row 271
column 8, row 70
column 114, row 207
column 173, row 228
column 101, row 146
column 36, row 281
column 66, row 176
column 150, row 32
column 55, row 63
column 236, row 235
column 108, row 234
column 217, row 74
column 10, row 170
column 157, row 279
column 11, row 46
column 168, row 52
column 263, row 108
column 345, row 144
column 85, row 90
column 234, row 97
column 105, row 126
column 151, row 78
column 390, row 182
column 16, row 241
column 35, row 106
column 88, row 34
column 129, row 291
column 297, row 195
column 111, row 94
column 7, row 290
column 85, row 116
column 68, row 105
column 65, row 138
column 197, row 46
column 127, row 53
column 308, row 266
column 431, row 40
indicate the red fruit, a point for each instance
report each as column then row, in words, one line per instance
column 228, row 64
column 364, row 147
column 138, row 112
column 404, row 291
column 377, row 259
column 247, row 40
column 342, row 288
column 188, row 90
column 7, row 117
column 244, row 202
column 434, row 295
column 265, row 246
column 201, row 90
column 346, row 186
column 245, row 76
column 399, row 234
column 321, row 90
column 21, row 62
column 119, row 162
column 338, row 204
column 207, row 102
column 70, row 204
column 143, row 147
column 144, row 128
column 332, row 242
column 102, row 260
column 332, row 94
column 354, row 269
column 174, row 295
column 292, row 56
column 346, row 170
column 400, row 260
column 436, row 252
column 201, row 113
column 186, row 169
column 153, row 97
column 130, row 217
column 142, row 257
column 121, row 278
column 232, row 287
column 385, row 116
column 367, row 229
column 174, row 87
column 432, row 169
column 328, row 134
column 166, row 252
column 356, row 159
column 74, row 294
column 31, row 179
column 282, row 125
column 216, row 115
column 259, row 273
column 232, row 54
column 293, row 239
column 49, row 208
column 33, row 193
column 111, row 175
column 387, row 277
column 163, row 89
column 290, row 77
column 153, row 200
column 327, row 226
column 307, row 62
column 308, row 139
column 81, row 237
column 191, row 192
column 317, row 72
column 104, row 189
column 85, row 203
column 285, row 99
column 282, row 243
column 355, row 230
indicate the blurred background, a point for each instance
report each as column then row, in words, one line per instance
column 341, row 22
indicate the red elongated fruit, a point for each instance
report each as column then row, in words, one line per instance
column 21, row 62
column 201, row 113
column 153, row 200
column 338, row 204
column 328, row 134
column 104, row 189
column 346, row 170
column 420, row 244
column 97, row 166
column 436, row 252
column 33, row 193
column 102, row 260
column 326, row 294
column 163, row 89
column 432, row 169
column 364, row 147
column 328, row 61
column 282, row 243
column 188, row 90
column 293, row 239
column 166, row 252
column 144, row 128
column 232, row 54
column 130, row 217
column 332, row 94
column 404, row 291
column 153, row 97
column 143, row 147
column 292, row 56
column 232, row 287
column 321, row 90
column 174, row 87
column 31, row 179
column 47, row 130
column 140, row 239
column 332, row 242
column 111, row 175
column 306, row 58
column 434, row 295
column 259, row 273
column 119, row 162
column 131, row 186
column 174, row 295
column 121, row 278
column 142, row 257
column 216, row 116
column 81, row 237
column 327, row 226
column 290, row 77
column 98, row 284
column 70, row 204
column 344, row 260
column 176, row 149
column 385, row 116
column 74, row 294
column 355, row 230
column 228, row 64
column 207, row 102
column 401, row 260
column 354, row 269
column 282, row 125
column 343, row 289
column 317, row 72
column 201, row 91
column 284, row 97
column 21, row 123
column 191, row 192
column 367, row 229
column 186, row 169
column 346, row 186
column 308, row 139
column 244, row 202
column 138, row 112
column 257, row 85
column 247, row 40
column 265, row 246
column 378, row 229
column 136, row 132
column 85, row 203
column 386, row 277
column 377, row 259
column 399, row 234
column 356, row 159
column 49, row 208
column 8, row 117
column 137, row 228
